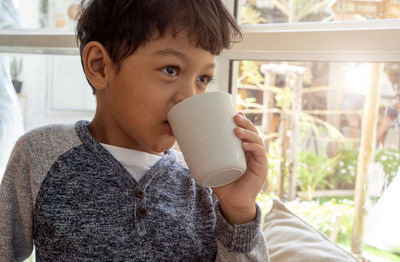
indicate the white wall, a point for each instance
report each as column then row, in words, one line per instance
column 42, row 92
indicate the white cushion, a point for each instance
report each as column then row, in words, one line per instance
column 289, row 238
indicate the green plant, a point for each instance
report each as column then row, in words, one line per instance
column 324, row 216
column 389, row 158
column 312, row 170
column 265, row 202
column 43, row 16
column 388, row 256
column 346, row 168
column 294, row 11
column 274, row 165
column 15, row 67
column 285, row 97
column 250, row 15
column 250, row 71
column 317, row 126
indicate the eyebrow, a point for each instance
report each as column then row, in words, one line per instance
column 169, row 51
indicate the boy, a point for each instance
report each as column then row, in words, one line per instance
column 112, row 189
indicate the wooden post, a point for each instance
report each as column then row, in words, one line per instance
column 365, row 156
column 285, row 145
column 266, row 119
column 298, row 72
column 292, row 11
column 295, row 129
column 336, row 80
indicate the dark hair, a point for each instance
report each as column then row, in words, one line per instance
column 121, row 26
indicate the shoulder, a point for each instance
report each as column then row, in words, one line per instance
column 37, row 150
column 47, row 143
column 48, row 137
column 53, row 129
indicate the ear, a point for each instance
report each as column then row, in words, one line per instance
column 97, row 64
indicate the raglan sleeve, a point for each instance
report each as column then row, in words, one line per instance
column 240, row 242
column 16, row 207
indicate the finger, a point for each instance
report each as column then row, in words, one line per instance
column 242, row 121
column 248, row 136
column 257, row 151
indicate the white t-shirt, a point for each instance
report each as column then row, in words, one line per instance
column 136, row 162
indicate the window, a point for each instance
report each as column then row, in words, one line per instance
column 320, row 61
column 48, row 14
column 297, row 11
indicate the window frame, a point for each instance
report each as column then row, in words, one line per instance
column 51, row 42
column 347, row 41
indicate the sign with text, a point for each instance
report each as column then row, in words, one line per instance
column 375, row 9
column 378, row 9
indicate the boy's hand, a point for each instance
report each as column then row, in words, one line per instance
column 237, row 200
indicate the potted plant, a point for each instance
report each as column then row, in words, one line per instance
column 15, row 70
column 44, row 13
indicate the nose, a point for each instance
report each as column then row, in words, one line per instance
column 185, row 90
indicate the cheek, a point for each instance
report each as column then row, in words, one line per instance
column 126, row 94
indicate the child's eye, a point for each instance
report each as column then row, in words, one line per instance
column 205, row 79
column 171, row 70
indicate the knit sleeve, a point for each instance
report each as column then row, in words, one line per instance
column 16, row 208
column 240, row 242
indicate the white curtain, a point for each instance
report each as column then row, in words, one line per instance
column 11, row 124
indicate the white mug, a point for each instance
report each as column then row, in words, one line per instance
column 203, row 126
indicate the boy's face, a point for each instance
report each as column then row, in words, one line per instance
column 132, row 108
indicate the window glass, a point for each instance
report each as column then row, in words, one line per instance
column 295, row 11
column 46, row 14
column 310, row 115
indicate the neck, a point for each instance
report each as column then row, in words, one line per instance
column 106, row 131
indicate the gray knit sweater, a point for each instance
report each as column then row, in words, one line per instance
column 69, row 196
